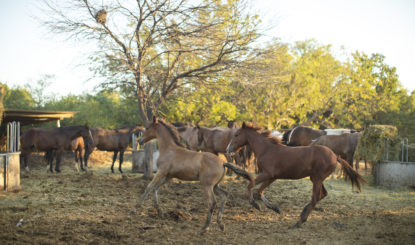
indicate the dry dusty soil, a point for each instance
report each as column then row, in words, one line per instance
column 98, row 208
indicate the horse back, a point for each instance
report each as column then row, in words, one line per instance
column 190, row 165
column 296, row 162
column 42, row 139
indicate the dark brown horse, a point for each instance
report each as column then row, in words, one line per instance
column 54, row 140
column 301, row 136
column 175, row 161
column 277, row 161
column 116, row 140
column 343, row 145
column 77, row 146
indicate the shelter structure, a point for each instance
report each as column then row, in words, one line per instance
column 27, row 117
column 10, row 123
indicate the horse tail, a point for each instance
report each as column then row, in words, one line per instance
column 350, row 174
column 240, row 172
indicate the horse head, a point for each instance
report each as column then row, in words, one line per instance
column 239, row 140
column 149, row 133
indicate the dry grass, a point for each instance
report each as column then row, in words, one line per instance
column 96, row 208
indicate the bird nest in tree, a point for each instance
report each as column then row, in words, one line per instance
column 372, row 145
column 101, row 16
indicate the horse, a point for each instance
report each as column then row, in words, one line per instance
column 215, row 140
column 245, row 154
column 175, row 161
column 343, row 145
column 301, row 136
column 77, row 146
column 116, row 140
column 278, row 161
column 55, row 140
column 189, row 136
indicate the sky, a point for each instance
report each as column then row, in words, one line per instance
column 28, row 50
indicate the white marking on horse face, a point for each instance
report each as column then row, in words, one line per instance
column 90, row 135
column 291, row 133
column 227, row 148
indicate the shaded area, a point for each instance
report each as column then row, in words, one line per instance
column 98, row 208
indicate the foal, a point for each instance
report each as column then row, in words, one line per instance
column 277, row 161
column 175, row 161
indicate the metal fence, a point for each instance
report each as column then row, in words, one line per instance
column 405, row 152
column 13, row 137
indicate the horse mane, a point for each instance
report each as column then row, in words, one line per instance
column 266, row 133
column 173, row 132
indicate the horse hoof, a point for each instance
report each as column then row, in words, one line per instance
column 277, row 210
column 298, row 225
column 222, row 227
column 203, row 231
column 253, row 203
column 120, row 171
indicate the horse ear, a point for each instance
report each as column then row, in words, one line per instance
column 197, row 126
column 243, row 125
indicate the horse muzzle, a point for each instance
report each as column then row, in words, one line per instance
column 229, row 149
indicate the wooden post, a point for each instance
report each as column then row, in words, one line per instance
column 148, row 160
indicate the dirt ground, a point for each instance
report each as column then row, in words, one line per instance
column 98, row 208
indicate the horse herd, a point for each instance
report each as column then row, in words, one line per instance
column 190, row 153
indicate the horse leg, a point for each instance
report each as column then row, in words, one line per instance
column 86, row 156
column 50, row 160
column 58, row 161
column 157, row 179
column 317, row 187
column 260, row 178
column 25, row 157
column 223, row 196
column 323, row 192
column 81, row 164
column 121, row 160
column 211, row 204
column 156, row 197
column 113, row 160
column 264, row 185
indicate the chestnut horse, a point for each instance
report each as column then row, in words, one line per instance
column 54, row 140
column 77, row 146
column 175, row 161
column 116, row 140
column 301, row 136
column 277, row 161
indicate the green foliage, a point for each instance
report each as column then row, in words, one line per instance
column 377, row 141
column 18, row 98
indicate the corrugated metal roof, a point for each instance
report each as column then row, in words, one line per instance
column 26, row 117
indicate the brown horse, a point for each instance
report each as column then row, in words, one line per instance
column 116, row 140
column 189, row 135
column 215, row 140
column 175, row 161
column 277, row 161
column 55, row 140
column 343, row 145
column 77, row 146
column 301, row 136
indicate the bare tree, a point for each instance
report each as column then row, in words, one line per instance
column 154, row 47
